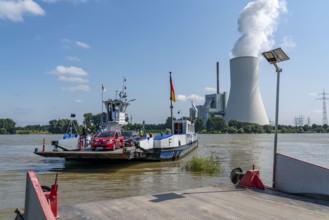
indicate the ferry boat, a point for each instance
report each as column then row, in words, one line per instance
column 164, row 146
column 170, row 146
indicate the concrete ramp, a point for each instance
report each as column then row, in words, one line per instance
column 300, row 177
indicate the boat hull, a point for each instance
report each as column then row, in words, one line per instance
column 128, row 153
column 174, row 153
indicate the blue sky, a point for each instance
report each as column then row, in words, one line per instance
column 56, row 54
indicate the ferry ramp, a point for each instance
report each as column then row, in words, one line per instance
column 215, row 202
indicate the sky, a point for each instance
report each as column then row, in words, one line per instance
column 56, row 54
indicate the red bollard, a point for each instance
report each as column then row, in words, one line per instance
column 251, row 179
column 52, row 197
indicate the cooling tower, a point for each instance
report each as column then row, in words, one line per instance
column 245, row 103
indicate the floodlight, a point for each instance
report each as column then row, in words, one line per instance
column 275, row 56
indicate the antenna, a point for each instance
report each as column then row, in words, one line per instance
column 123, row 93
column 324, row 108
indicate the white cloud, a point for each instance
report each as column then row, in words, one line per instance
column 69, row 70
column 51, row 1
column 66, row 40
column 288, row 43
column 210, row 89
column 68, row 43
column 73, row 1
column 313, row 94
column 83, row 88
column 317, row 111
column 193, row 97
column 82, row 45
column 72, row 79
column 73, row 58
column 78, row 101
column 182, row 98
column 16, row 10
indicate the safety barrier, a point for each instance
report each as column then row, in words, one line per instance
column 39, row 204
column 300, row 177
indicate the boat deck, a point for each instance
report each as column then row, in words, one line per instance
column 218, row 202
column 118, row 154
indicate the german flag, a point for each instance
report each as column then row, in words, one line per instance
column 172, row 91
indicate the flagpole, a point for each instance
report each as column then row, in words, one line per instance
column 102, row 97
column 171, row 108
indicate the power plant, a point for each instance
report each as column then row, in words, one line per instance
column 245, row 103
column 215, row 104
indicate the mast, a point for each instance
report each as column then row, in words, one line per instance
column 172, row 98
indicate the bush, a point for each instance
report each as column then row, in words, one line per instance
column 203, row 164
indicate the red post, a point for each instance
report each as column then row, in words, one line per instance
column 80, row 143
column 52, row 197
column 43, row 145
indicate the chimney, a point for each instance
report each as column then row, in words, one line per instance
column 217, row 65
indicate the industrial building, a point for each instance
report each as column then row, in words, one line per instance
column 215, row 104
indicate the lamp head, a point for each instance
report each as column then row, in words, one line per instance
column 275, row 56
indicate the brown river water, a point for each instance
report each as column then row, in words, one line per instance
column 88, row 182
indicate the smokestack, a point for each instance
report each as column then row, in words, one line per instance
column 217, row 65
column 245, row 103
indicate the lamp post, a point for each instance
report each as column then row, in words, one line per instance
column 273, row 57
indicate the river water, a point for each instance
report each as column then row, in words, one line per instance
column 87, row 182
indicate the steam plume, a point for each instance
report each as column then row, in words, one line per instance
column 257, row 23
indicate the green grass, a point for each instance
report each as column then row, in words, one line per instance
column 203, row 164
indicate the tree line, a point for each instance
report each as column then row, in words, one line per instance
column 214, row 125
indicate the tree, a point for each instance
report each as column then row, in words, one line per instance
column 60, row 126
column 199, row 125
column 7, row 125
column 268, row 128
column 233, row 123
column 216, row 124
column 257, row 129
column 87, row 119
column 96, row 120
column 168, row 122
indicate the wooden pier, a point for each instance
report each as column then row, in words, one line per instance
column 217, row 202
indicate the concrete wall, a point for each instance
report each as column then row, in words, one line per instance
column 36, row 205
column 245, row 103
column 296, row 176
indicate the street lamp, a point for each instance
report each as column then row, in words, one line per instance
column 273, row 57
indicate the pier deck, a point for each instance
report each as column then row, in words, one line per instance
column 217, row 202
